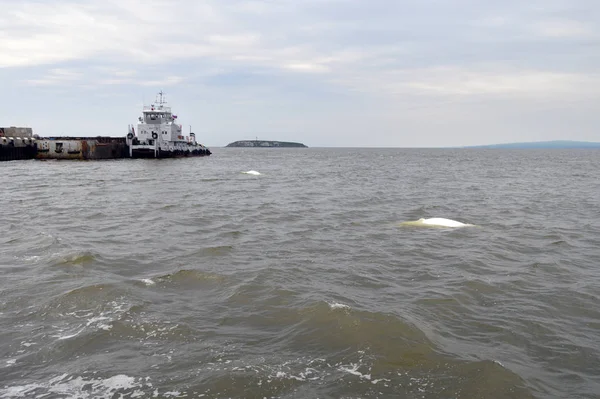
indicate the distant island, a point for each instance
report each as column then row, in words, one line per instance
column 557, row 144
column 265, row 143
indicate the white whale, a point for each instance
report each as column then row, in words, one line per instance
column 436, row 222
column 252, row 172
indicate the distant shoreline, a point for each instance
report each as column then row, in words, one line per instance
column 558, row 144
column 266, row 144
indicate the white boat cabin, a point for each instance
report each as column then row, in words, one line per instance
column 159, row 123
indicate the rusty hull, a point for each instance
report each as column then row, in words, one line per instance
column 82, row 148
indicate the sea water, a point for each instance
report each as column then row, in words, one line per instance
column 186, row 278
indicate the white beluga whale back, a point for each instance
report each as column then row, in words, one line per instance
column 436, row 222
column 252, row 172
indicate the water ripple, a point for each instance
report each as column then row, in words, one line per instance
column 186, row 277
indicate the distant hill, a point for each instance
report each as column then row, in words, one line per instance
column 565, row 144
column 264, row 143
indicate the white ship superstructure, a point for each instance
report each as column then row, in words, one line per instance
column 159, row 136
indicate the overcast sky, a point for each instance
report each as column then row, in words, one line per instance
column 344, row 73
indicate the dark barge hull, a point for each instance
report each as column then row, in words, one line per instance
column 11, row 153
column 148, row 153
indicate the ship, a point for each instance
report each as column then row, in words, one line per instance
column 159, row 136
column 17, row 143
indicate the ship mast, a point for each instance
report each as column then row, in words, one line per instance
column 160, row 98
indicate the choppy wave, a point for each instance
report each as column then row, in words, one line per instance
column 191, row 277
column 74, row 259
column 66, row 385
column 302, row 285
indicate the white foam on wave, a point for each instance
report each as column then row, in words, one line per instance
column 80, row 387
column 97, row 320
column 352, row 368
column 338, row 306
column 148, row 282
column 68, row 336
column 174, row 394
column 303, row 376
column 88, row 319
column 252, row 172
column 302, row 369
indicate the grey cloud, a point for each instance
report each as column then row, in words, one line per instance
column 322, row 67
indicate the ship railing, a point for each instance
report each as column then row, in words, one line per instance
column 157, row 108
